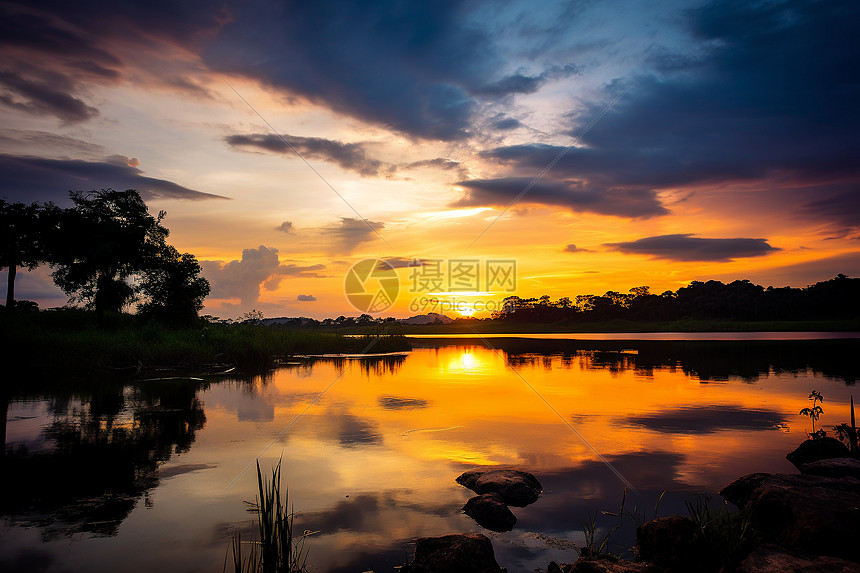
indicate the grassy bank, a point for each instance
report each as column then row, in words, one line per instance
column 686, row 325
column 73, row 342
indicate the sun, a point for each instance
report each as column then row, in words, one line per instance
column 468, row 311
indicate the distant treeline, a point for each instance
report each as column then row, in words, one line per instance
column 741, row 300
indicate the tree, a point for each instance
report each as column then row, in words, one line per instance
column 173, row 287
column 22, row 234
column 106, row 238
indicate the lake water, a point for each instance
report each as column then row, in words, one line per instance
column 151, row 476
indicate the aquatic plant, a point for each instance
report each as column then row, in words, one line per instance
column 814, row 413
column 278, row 550
column 848, row 433
column 728, row 534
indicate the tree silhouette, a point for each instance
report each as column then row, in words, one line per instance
column 173, row 287
column 22, row 234
column 107, row 237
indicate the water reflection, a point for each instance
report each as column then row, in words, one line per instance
column 98, row 455
column 705, row 360
column 371, row 448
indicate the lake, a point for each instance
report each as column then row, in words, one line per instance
column 105, row 475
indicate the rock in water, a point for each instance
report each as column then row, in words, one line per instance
column 815, row 450
column 490, row 511
column 833, row 467
column 516, row 488
column 673, row 543
column 459, row 553
column 809, row 513
column 772, row 559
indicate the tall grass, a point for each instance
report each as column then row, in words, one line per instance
column 72, row 342
column 729, row 534
column 277, row 550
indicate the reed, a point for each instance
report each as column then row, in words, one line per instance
column 278, row 549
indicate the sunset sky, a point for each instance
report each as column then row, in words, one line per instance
column 671, row 141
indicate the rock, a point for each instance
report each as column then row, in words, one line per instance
column 458, row 553
column 815, row 450
column 809, row 513
column 490, row 511
column 833, row 467
column 516, row 488
column 673, row 543
column 607, row 565
column 772, row 559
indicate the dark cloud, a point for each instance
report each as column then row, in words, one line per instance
column 286, row 227
column 574, row 249
column 417, row 67
column 398, row 403
column 632, row 203
column 766, row 94
column 37, row 97
column 243, row 278
column 507, row 123
column 707, row 419
column 440, row 162
column 350, row 156
column 686, row 247
column 350, row 232
column 26, row 178
column 306, row 298
column 27, row 142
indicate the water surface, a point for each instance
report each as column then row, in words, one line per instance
column 145, row 476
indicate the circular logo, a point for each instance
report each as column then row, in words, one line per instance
column 371, row 285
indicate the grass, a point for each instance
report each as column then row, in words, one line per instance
column 277, row 549
column 72, row 342
column 729, row 534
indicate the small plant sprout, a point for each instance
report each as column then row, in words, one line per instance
column 814, row 413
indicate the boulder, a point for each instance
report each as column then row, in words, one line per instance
column 458, row 553
column 603, row 565
column 833, row 467
column 673, row 543
column 490, row 511
column 516, row 488
column 819, row 449
column 807, row 513
column 773, row 559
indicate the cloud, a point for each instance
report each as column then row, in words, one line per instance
column 574, row 249
column 31, row 142
column 306, row 298
column 39, row 97
column 350, row 156
column 243, row 278
column 286, row 227
column 686, row 247
column 708, row 419
column 403, row 262
column 631, row 203
column 507, row 123
column 350, row 232
column 27, row 178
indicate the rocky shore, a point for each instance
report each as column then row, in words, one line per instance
column 793, row 523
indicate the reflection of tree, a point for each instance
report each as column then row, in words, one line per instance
column 105, row 456
column 706, row 360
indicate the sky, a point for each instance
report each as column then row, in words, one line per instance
column 584, row 146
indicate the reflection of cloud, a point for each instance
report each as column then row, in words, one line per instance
column 24, row 177
column 707, row 419
column 686, row 247
column 354, row 431
column 397, row 403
